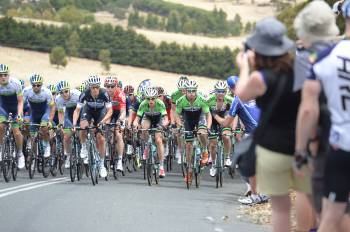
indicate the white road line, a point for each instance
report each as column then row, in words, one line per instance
column 51, row 182
column 26, row 185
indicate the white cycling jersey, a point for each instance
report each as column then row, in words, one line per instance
column 333, row 70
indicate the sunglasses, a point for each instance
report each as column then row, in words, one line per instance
column 152, row 98
column 37, row 85
column 110, row 86
column 64, row 91
column 95, row 87
column 191, row 91
column 3, row 75
column 220, row 91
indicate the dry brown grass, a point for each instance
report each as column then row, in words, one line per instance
column 22, row 63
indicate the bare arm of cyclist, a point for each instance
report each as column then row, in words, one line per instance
column 20, row 105
column 76, row 115
column 108, row 115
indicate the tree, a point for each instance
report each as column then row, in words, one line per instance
column 73, row 44
column 248, row 28
column 105, row 57
column 58, row 57
column 173, row 22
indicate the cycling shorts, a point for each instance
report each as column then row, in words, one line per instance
column 91, row 114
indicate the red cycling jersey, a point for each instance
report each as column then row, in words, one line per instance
column 119, row 100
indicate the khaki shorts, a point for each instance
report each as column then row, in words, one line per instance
column 275, row 174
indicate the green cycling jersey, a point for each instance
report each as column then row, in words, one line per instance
column 175, row 96
column 159, row 108
column 199, row 103
column 212, row 100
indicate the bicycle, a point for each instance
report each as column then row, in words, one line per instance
column 110, row 159
column 57, row 157
column 152, row 163
column 93, row 156
column 36, row 155
column 171, row 140
column 76, row 167
column 9, row 157
column 196, row 158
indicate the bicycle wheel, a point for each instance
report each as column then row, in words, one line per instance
column 73, row 167
column 14, row 169
column 220, row 178
column 32, row 163
column 115, row 171
column 54, row 160
column 92, row 166
column 129, row 163
column 6, row 161
column 107, row 164
column 149, row 171
column 188, row 182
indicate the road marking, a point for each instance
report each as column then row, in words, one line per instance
column 24, row 185
column 31, row 186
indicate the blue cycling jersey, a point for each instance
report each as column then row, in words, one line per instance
column 9, row 96
column 248, row 112
column 38, row 102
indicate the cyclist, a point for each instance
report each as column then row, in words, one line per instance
column 41, row 108
column 94, row 104
column 152, row 111
column 119, row 108
column 181, row 90
column 219, row 104
column 53, row 90
column 66, row 103
column 11, row 101
column 167, row 102
column 195, row 113
column 130, row 98
column 139, row 98
column 248, row 113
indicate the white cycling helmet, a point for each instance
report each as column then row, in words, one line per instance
column 190, row 84
column 220, row 85
column 151, row 92
column 94, row 80
column 182, row 84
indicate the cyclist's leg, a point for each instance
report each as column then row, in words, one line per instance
column 45, row 132
column 3, row 118
column 213, row 141
column 67, row 135
column 100, row 139
column 84, row 123
column 202, row 129
column 227, row 144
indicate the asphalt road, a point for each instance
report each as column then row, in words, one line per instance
column 127, row 204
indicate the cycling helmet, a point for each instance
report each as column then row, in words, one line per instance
column 52, row 88
column 22, row 83
column 220, row 85
column 110, row 80
column 160, row 90
column 143, row 85
column 190, row 84
column 4, row 69
column 36, row 78
column 81, row 88
column 346, row 9
column 181, row 83
column 151, row 92
column 94, row 80
column 232, row 81
column 62, row 85
column 128, row 89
